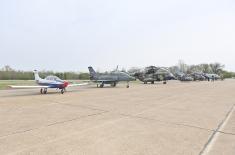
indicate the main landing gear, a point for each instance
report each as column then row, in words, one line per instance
column 43, row 90
column 113, row 84
column 100, row 86
column 127, row 86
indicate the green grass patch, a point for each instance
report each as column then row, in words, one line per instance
column 5, row 83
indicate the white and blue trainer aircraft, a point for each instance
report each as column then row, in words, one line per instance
column 48, row 82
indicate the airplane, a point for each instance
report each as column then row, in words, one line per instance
column 197, row 76
column 109, row 78
column 48, row 82
column 211, row 76
column 183, row 77
column 152, row 74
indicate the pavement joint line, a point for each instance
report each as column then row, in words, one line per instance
column 85, row 107
column 74, row 119
column 166, row 122
column 172, row 123
column 72, row 105
column 75, row 133
column 207, row 147
column 55, row 123
column 104, row 111
column 227, row 133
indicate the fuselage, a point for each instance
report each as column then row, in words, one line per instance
column 154, row 77
column 212, row 76
column 52, row 82
column 112, row 77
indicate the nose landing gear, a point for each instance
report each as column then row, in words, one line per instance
column 127, row 86
column 62, row 91
column 113, row 84
column 101, row 85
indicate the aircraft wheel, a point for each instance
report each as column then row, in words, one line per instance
column 41, row 91
column 152, row 82
column 45, row 91
column 62, row 91
column 127, row 86
column 101, row 85
column 113, row 84
column 164, row 82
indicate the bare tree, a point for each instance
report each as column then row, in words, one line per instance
column 216, row 68
column 134, row 70
column 205, row 68
column 7, row 68
column 174, row 69
column 182, row 66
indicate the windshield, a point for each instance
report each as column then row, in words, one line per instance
column 53, row 78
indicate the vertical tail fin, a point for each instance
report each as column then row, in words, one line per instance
column 36, row 76
column 92, row 72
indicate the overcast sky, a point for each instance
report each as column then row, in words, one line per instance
column 73, row 34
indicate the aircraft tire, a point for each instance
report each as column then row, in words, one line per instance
column 62, row 91
column 113, row 84
column 41, row 91
column 164, row 82
column 45, row 91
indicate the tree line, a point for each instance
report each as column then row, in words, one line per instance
column 7, row 73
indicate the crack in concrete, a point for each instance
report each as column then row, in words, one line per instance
column 55, row 123
column 166, row 122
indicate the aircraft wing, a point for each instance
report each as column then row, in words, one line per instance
column 25, row 87
column 79, row 84
column 105, row 80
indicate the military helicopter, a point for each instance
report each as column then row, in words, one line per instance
column 152, row 74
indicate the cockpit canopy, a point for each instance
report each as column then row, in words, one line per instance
column 53, row 78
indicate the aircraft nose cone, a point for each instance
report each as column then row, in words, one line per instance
column 66, row 84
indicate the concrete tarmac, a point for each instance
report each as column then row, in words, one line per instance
column 180, row 118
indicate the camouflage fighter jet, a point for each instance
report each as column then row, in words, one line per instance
column 109, row 78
